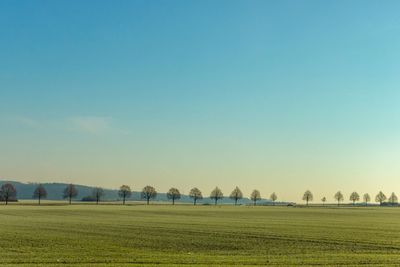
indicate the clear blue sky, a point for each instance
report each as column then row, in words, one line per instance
column 280, row 96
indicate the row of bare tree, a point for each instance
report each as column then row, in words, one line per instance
column 355, row 197
column 8, row 192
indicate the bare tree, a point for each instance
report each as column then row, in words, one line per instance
column 98, row 193
column 393, row 199
column 195, row 194
column 323, row 201
column 40, row 192
column 173, row 194
column 255, row 196
column 148, row 193
column 366, row 198
column 354, row 197
column 339, row 197
column 236, row 195
column 70, row 192
column 124, row 192
column 273, row 197
column 216, row 195
column 8, row 192
column 308, row 196
column 380, row 197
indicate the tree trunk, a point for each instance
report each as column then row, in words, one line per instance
column 273, row 203
column 70, row 199
column 6, row 198
column 39, row 199
column 215, row 202
column 236, row 201
column 148, row 199
column 97, row 201
column 123, row 200
column 255, row 202
column 307, row 202
column 194, row 201
column 173, row 201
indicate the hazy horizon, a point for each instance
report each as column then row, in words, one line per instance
column 279, row 96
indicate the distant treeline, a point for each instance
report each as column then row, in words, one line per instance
column 8, row 192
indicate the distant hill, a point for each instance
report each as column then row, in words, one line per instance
column 55, row 192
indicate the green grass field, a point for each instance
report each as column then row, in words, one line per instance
column 164, row 235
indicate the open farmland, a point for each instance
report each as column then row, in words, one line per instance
column 165, row 235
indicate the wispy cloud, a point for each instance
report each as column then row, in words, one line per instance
column 81, row 124
column 19, row 120
column 90, row 124
column 26, row 121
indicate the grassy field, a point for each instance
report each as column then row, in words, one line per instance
column 161, row 235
